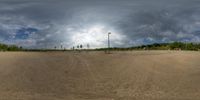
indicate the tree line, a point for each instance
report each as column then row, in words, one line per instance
column 161, row 46
column 4, row 47
column 155, row 46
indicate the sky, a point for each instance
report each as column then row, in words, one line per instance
column 50, row 23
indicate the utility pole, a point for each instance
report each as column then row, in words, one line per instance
column 109, row 42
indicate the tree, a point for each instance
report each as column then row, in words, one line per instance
column 21, row 47
column 81, row 46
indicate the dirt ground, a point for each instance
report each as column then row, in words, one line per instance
column 130, row 75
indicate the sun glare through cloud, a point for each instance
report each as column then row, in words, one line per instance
column 96, row 36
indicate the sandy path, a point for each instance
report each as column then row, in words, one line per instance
column 137, row 75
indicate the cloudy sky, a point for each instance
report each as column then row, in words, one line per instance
column 49, row 23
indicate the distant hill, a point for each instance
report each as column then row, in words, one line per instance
column 4, row 47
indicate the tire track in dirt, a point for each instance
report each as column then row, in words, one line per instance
column 70, row 64
column 85, row 64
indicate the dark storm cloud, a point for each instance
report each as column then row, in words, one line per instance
column 171, row 22
column 134, row 21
